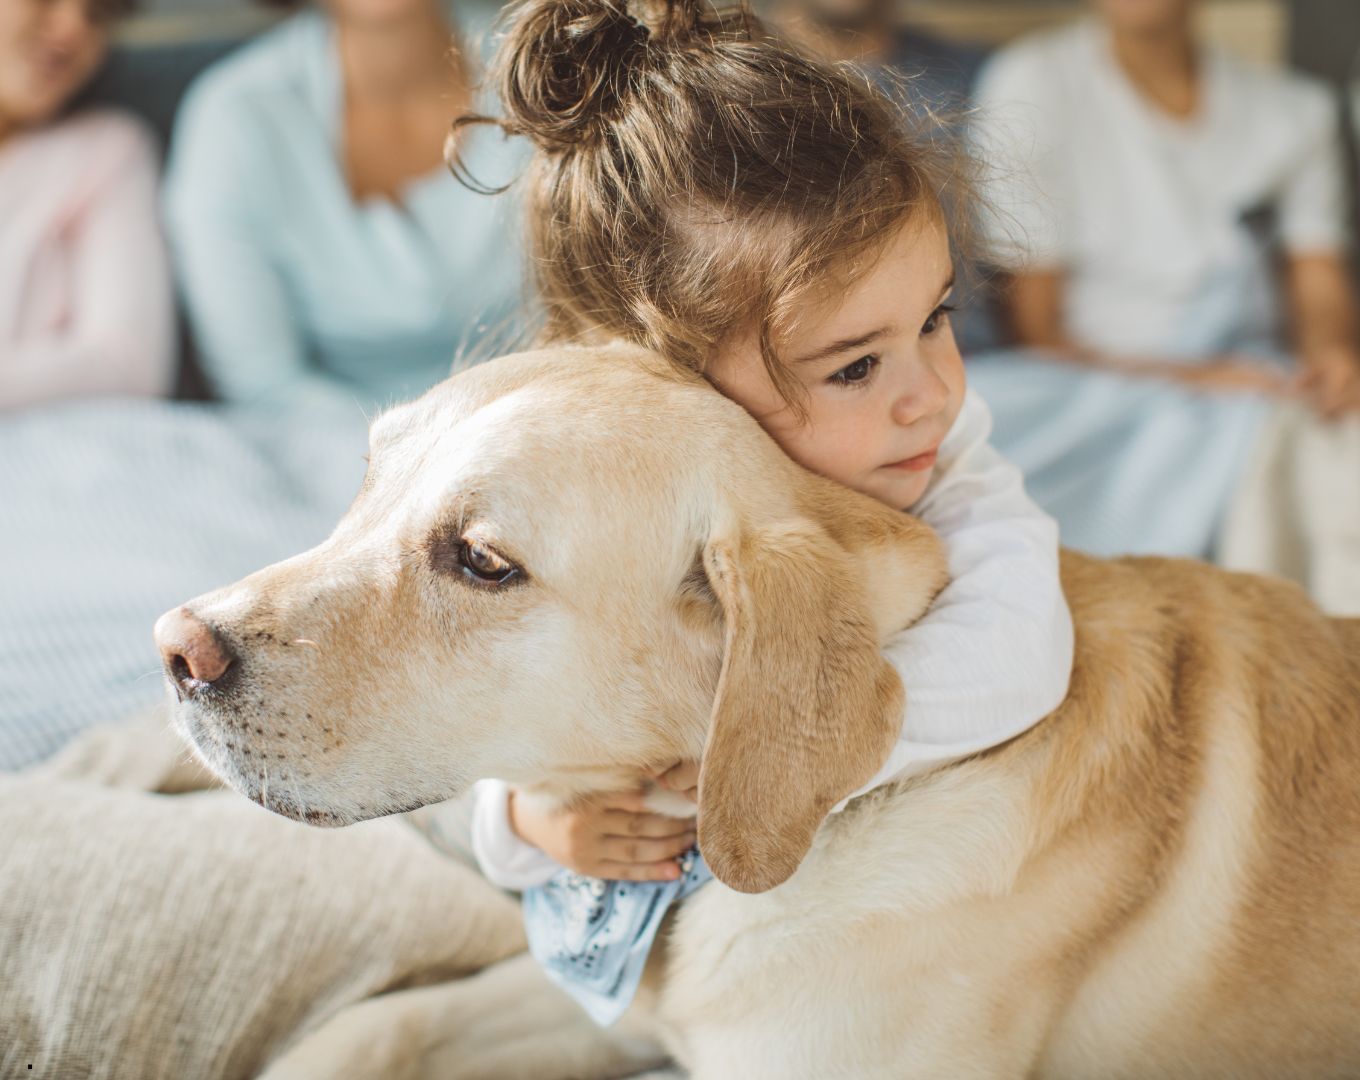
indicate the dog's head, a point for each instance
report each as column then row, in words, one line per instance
column 562, row 567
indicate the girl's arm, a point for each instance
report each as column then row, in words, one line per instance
column 613, row 835
column 993, row 655
column 121, row 339
column 505, row 859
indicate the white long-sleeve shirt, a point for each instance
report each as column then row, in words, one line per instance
column 991, row 657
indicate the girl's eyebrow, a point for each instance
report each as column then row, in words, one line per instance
column 846, row 344
column 860, row 340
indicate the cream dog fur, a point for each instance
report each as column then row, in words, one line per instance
column 566, row 565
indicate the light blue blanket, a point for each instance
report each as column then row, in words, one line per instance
column 113, row 512
column 1127, row 465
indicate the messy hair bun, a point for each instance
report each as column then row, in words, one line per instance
column 566, row 66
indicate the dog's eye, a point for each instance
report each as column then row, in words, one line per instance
column 483, row 565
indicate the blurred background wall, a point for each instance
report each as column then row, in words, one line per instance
column 1324, row 37
column 1321, row 36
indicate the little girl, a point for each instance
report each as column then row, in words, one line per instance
column 767, row 220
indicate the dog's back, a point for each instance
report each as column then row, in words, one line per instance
column 1161, row 879
column 1213, row 735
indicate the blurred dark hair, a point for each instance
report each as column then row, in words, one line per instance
column 110, row 11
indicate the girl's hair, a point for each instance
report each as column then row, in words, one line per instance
column 106, row 12
column 695, row 177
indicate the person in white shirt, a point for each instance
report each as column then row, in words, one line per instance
column 822, row 308
column 1144, row 181
column 1174, row 223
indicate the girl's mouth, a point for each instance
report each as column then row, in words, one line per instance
column 916, row 464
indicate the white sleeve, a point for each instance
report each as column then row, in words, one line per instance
column 1313, row 198
column 993, row 655
column 505, row 859
column 1017, row 141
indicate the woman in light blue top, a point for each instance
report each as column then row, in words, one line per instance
column 326, row 256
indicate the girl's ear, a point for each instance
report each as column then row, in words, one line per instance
column 807, row 709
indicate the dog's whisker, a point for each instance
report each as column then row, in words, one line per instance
column 297, row 797
column 305, row 641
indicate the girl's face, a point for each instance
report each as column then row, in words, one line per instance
column 883, row 376
column 48, row 50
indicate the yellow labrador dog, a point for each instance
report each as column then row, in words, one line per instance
column 565, row 565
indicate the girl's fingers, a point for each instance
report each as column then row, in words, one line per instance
column 635, row 802
column 683, row 774
column 618, row 871
column 654, row 826
column 634, row 852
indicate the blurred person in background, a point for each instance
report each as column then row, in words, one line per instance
column 325, row 254
column 86, row 306
column 940, row 73
column 1169, row 176
column 1174, row 221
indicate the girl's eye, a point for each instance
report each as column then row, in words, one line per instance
column 857, row 372
column 937, row 318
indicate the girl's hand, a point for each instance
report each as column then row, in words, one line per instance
column 682, row 778
column 609, row 836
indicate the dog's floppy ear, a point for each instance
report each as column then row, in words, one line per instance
column 807, row 709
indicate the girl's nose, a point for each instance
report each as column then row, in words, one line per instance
column 925, row 395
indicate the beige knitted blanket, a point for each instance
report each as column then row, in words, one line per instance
column 159, row 928
column 194, row 935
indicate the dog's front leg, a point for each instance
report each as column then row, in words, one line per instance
column 504, row 1023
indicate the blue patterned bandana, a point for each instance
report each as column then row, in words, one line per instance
column 592, row 936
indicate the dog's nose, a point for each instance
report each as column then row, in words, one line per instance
column 192, row 650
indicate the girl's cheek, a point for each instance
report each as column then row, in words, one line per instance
column 790, row 436
column 818, row 449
